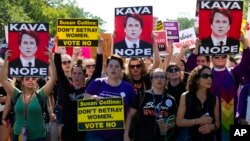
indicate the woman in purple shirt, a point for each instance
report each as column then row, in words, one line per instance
column 111, row 86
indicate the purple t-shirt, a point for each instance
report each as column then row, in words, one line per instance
column 101, row 88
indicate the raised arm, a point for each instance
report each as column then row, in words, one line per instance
column 240, row 70
column 9, row 88
column 98, row 61
column 48, row 87
column 157, row 59
column 191, row 60
column 76, row 52
column 169, row 51
column 184, row 49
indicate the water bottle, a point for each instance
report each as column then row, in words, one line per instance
column 161, row 122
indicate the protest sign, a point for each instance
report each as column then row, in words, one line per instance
column 103, row 114
column 188, row 37
column 219, row 26
column 172, row 29
column 77, row 32
column 28, row 42
column 133, row 29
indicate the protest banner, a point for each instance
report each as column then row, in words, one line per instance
column 159, row 26
column 219, row 26
column 28, row 42
column 161, row 40
column 77, row 32
column 172, row 29
column 103, row 114
column 133, row 29
column 187, row 36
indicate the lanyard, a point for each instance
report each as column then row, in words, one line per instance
column 26, row 106
column 157, row 111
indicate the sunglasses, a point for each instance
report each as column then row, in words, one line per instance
column 135, row 66
column 90, row 66
column 66, row 62
column 171, row 70
column 206, row 75
column 28, row 78
column 158, row 77
column 222, row 57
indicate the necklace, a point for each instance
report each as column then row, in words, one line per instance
column 202, row 99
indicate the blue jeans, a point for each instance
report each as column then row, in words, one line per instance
column 15, row 138
column 92, row 136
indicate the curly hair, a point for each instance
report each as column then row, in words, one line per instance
column 193, row 77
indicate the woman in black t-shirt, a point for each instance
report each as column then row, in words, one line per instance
column 151, row 106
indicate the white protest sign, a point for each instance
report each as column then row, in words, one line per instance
column 186, row 36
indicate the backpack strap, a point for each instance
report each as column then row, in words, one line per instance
column 16, row 98
column 41, row 101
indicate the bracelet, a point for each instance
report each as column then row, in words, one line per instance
column 193, row 121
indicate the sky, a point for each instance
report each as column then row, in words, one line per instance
column 163, row 9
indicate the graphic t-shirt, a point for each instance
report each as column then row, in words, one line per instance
column 151, row 107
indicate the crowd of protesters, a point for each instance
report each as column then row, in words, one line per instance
column 187, row 93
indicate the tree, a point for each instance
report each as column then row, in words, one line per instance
column 245, row 8
column 46, row 11
column 185, row 23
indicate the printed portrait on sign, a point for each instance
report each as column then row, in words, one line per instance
column 133, row 29
column 219, row 27
column 27, row 43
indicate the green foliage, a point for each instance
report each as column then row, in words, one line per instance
column 245, row 2
column 185, row 23
column 44, row 11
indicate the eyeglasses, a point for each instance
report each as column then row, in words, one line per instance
column 28, row 78
column 222, row 57
column 171, row 70
column 66, row 62
column 206, row 75
column 135, row 66
column 158, row 76
column 90, row 66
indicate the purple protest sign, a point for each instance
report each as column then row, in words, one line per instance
column 172, row 29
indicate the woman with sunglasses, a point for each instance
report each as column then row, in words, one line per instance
column 225, row 85
column 153, row 106
column 198, row 112
column 72, row 90
column 90, row 67
column 137, row 72
column 28, row 111
column 175, row 86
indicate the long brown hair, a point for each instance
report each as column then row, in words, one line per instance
column 143, row 67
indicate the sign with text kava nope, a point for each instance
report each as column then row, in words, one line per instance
column 103, row 114
column 77, row 32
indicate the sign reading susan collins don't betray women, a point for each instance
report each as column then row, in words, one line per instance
column 77, row 32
